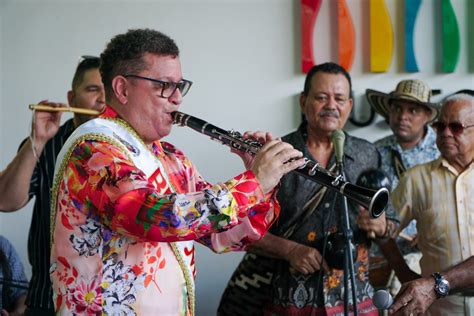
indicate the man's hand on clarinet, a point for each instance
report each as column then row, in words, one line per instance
column 270, row 157
column 247, row 158
column 274, row 160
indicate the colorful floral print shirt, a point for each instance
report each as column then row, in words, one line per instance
column 122, row 241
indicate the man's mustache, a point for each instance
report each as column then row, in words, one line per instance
column 329, row 113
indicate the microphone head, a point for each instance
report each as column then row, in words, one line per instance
column 338, row 137
column 382, row 299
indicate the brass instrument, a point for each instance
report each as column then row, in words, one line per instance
column 373, row 200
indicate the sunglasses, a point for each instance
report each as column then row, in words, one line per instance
column 456, row 128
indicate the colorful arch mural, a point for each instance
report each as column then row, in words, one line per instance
column 382, row 35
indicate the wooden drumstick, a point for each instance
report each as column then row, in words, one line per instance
column 48, row 108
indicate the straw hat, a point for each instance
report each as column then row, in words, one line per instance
column 414, row 91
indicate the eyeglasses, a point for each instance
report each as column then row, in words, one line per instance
column 456, row 128
column 167, row 87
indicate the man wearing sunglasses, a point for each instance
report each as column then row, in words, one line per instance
column 440, row 196
column 30, row 174
column 127, row 205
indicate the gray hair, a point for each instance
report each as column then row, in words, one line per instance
column 458, row 97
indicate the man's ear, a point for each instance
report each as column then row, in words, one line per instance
column 302, row 102
column 70, row 97
column 119, row 86
column 351, row 103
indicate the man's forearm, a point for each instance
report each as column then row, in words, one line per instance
column 272, row 246
column 396, row 261
column 15, row 179
column 461, row 275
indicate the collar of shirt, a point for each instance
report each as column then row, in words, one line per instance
column 109, row 112
column 155, row 147
column 425, row 143
column 442, row 162
column 349, row 151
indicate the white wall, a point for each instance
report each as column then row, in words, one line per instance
column 243, row 56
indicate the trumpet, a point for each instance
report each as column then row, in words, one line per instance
column 375, row 201
column 48, row 108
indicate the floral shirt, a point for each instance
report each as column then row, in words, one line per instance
column 122, row 239
column 425, row 151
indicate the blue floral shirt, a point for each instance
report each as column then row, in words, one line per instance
column 13, row 283
column 423, row 152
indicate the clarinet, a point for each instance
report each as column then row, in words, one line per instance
column 373, row 200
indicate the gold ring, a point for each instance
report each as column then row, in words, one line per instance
column 405, row 304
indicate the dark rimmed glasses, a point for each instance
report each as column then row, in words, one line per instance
column 168, row 88
column 457, row 128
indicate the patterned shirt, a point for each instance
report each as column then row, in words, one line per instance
column 425, row 151
column 115, row 227
column 442, row 201
column 304, row 294
column 12, row 276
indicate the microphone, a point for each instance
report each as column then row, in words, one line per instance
column 382, row 299
column 338, row 137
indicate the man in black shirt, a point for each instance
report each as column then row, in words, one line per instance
column 31, row 172
column 284, row 273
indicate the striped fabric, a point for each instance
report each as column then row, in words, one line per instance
column 40, row 292
column 442, row 201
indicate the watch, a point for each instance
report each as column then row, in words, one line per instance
column 441, row 287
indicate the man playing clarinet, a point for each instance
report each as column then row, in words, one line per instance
column 127, row 206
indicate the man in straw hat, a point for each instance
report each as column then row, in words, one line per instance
column 408, row 111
